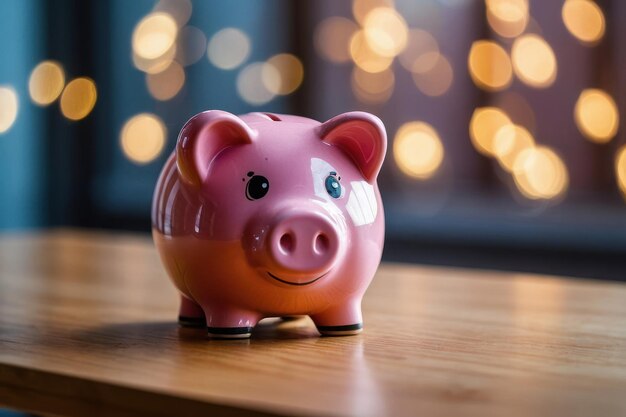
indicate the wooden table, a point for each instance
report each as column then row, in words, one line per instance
column 87, row 327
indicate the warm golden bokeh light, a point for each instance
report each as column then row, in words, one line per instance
column 421, row 52
column 166, row 84
column 372, row 87
column 508, row 18
column 361, row 8
column 534, row 61
column 436, row 81
column 584, row 20
column 154, row 35
column 332, row 38
column 156, row 65
column 489, row 66
column 191, row 45
column 385, row 31
column 364, row 57
column 417, row 149
column 508, row 10
column 78, row 98
column 596, row 115
column 229, row 48
column 539, row 173
column 509, row 142
column 620, row 169
column 290, row 71
column 251, row 85
column 143, row 138
column 484, row 125
column 46, row 82
column 9, row 106
column 180, row 10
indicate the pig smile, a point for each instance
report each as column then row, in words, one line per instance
column 295, row 283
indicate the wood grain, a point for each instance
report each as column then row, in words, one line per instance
column 87, row 327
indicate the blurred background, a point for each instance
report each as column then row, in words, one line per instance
column 503, row 116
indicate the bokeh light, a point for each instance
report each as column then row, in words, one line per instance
column 484, row 125
column 9, row 107
column 190, row 45
column 417, row 150
column 584, row 20
column 385, row 31
column 46, row 82
column 229, row 48
column 372, row 87
column 436, row 81
column 332, row 38
column 180, row 10
column 143, row 137
column 489, row 65
column 156, row 65
column 534, row 61
column 508, row 18
column 539, row 173
column 510, row 140
column 421, row 52
column 78, row 98
column 361, row 8
column 166, row 84
column 620, row 169
column 364, row 57
column 596, row 115
column 251, row 85
column 290, row 74
column 154, row 35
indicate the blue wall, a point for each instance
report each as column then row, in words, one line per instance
column 53, row 171
column 22, row 202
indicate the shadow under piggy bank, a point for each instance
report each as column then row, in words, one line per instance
column 161, row 335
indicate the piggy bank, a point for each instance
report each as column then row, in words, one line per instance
column 269, row 215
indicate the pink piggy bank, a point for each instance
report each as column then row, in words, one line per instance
column 267, row 215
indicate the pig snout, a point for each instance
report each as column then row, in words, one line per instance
column 304, row 242
column 301, row 246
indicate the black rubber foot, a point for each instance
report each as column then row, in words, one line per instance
column 197, row 322
column 229, row 332
column 346, row 330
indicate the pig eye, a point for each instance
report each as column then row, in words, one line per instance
column 333, row 188
column 257, row 187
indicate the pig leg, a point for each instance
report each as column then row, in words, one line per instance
column 190, row 313
column 340, row 320
column 230, row 323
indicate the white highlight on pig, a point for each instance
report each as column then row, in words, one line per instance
column 361, row 205
column 168, row 210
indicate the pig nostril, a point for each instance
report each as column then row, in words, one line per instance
column 321, row 244
column 287, row 243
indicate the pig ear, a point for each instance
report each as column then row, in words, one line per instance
column 361, row 136
column 203, row 137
